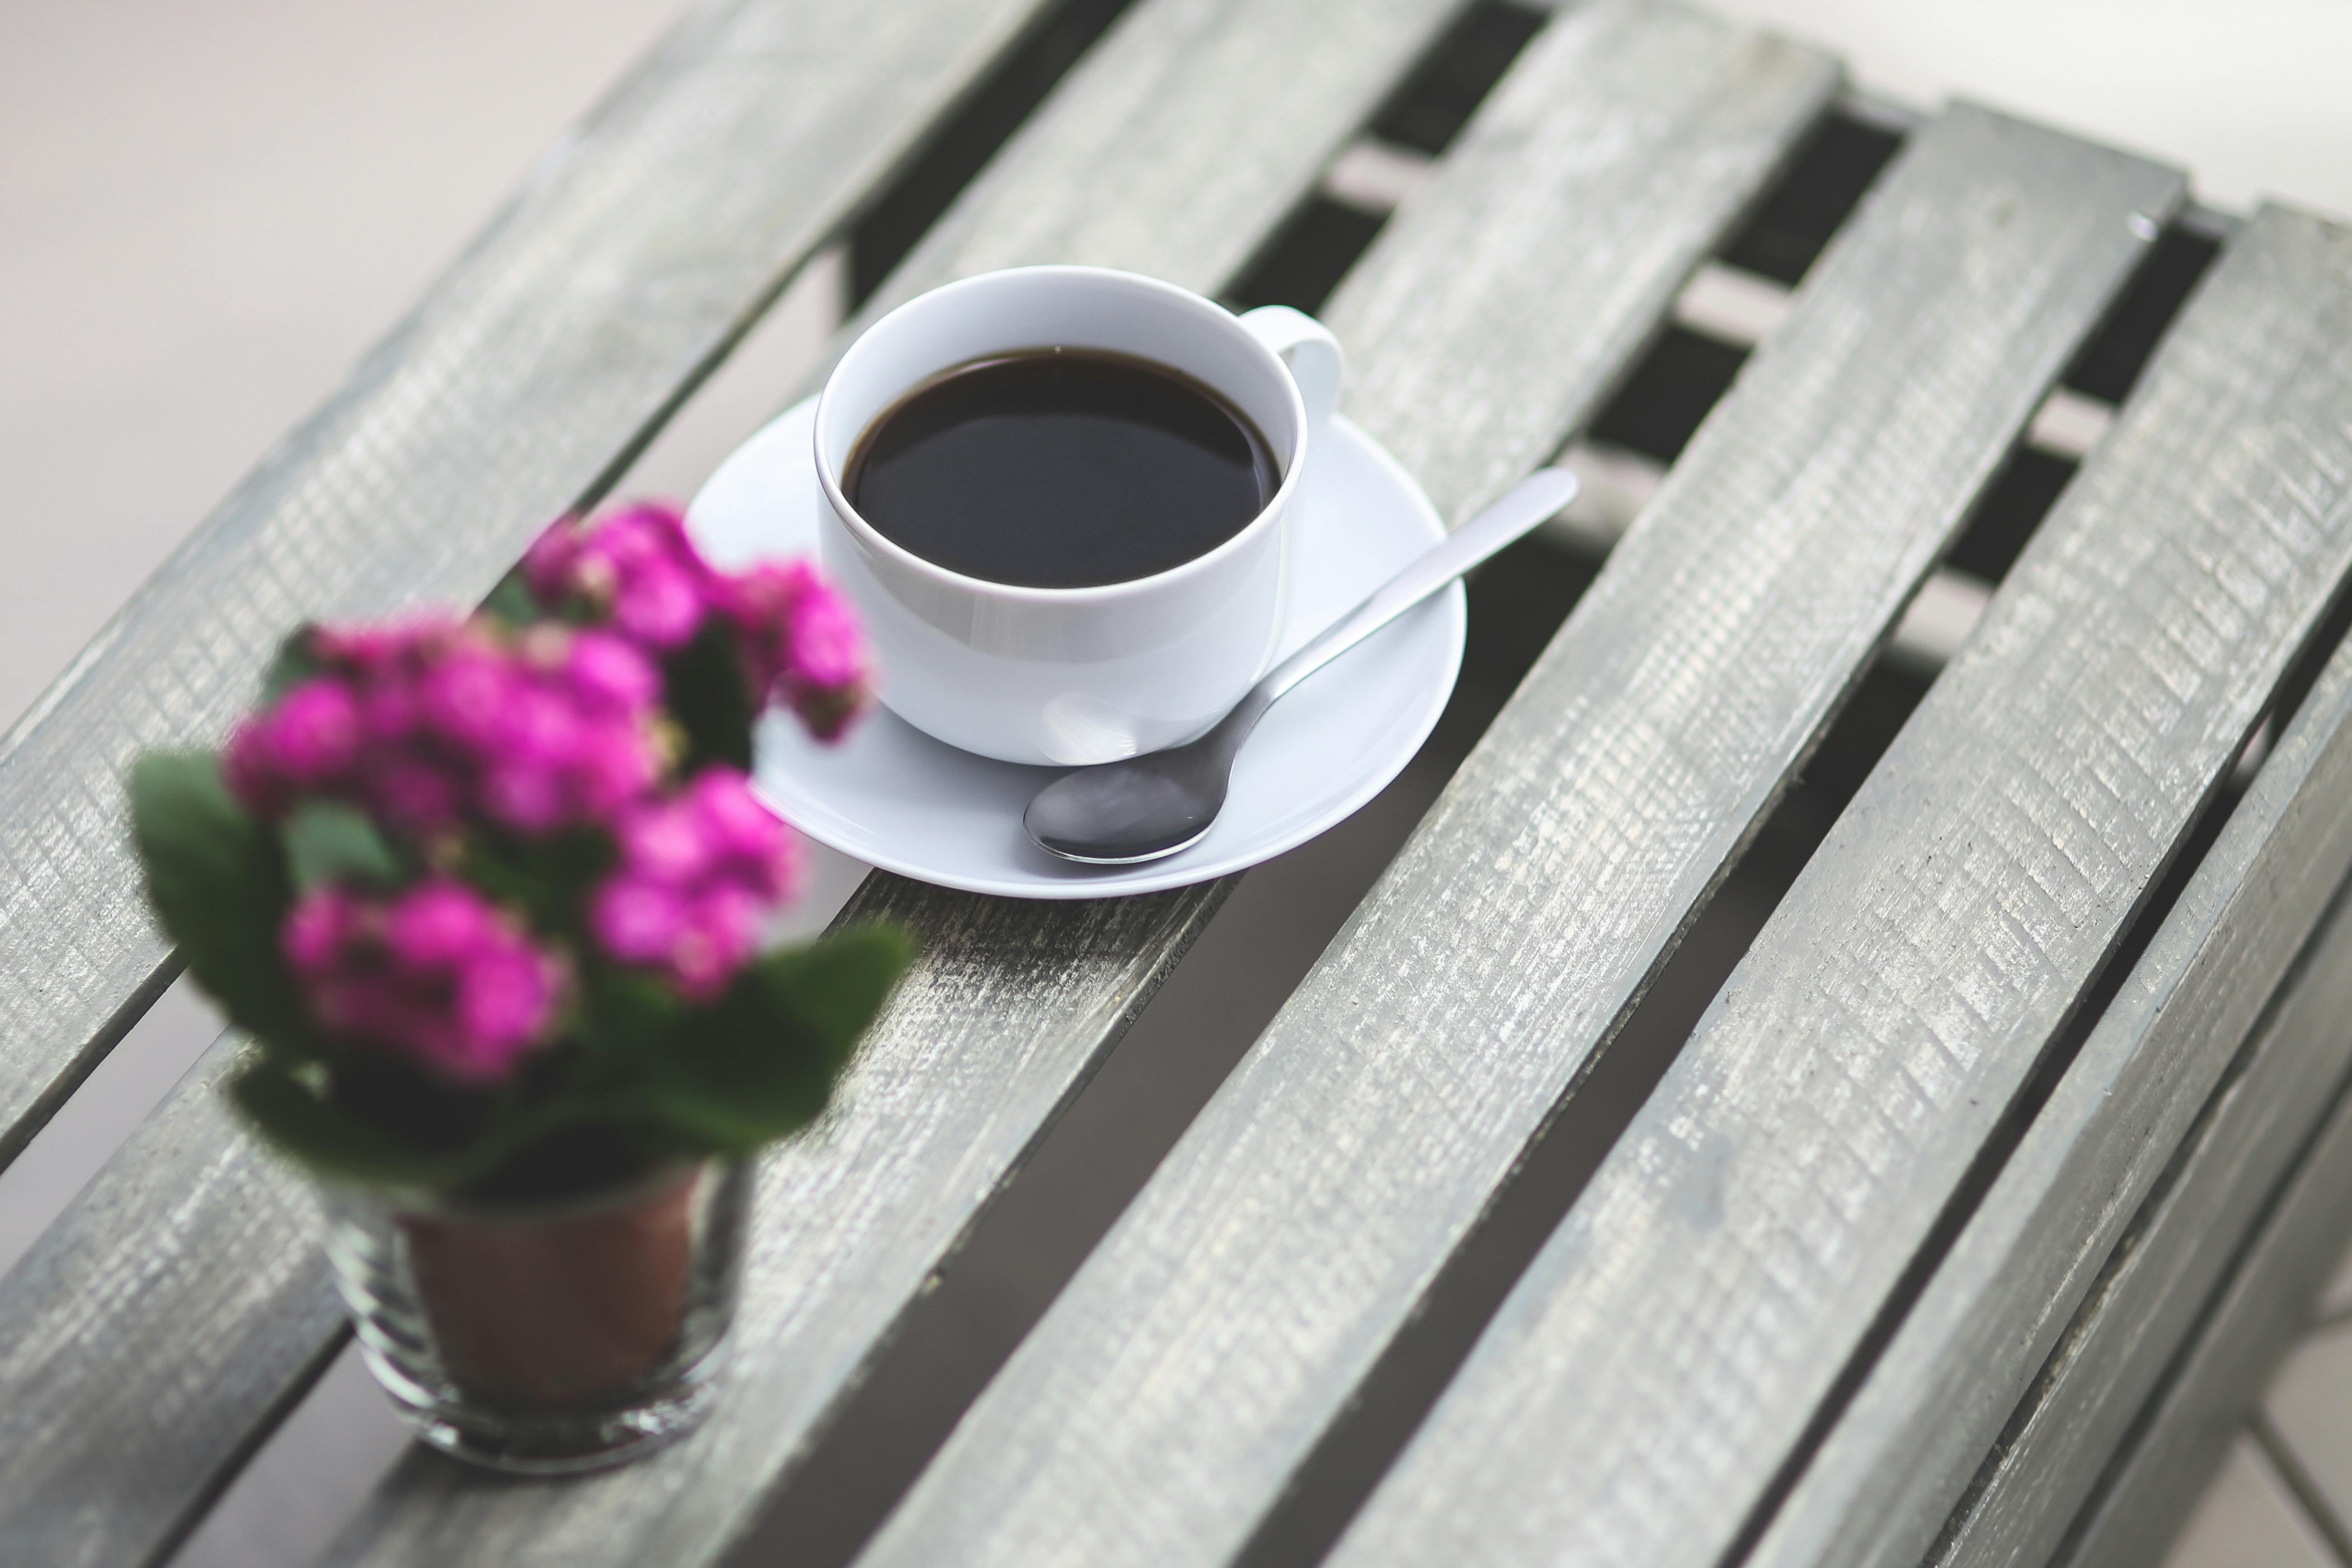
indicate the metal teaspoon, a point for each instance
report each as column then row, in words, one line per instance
column 1148, row 807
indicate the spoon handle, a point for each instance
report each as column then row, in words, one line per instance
column 1539, row 496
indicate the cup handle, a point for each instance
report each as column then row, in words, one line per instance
column 1307, row 347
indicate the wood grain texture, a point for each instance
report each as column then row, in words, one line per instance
column 1890, row 1474
column 136, row 1377
column 1012, row 1003
column 2167, row 1265
column 938, row 1137
column 1016, row 1002
column 1558, row 221
column 808, row 1329
column 1155, row 1412
column 2182, row 1430
column 1680, row 1329
column 626, row 265
column 1174, row 150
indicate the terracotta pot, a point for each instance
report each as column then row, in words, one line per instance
column 549, row 1314
column 553, row 1337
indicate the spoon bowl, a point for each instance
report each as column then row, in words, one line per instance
column 1159, row 804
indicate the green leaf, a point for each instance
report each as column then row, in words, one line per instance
column 219, row 887
column 293, row 664
column 513, row 602
column 833, row 988
column 704, row 689
column 738, row 1076
column 550, row 879
column 402, row 1140
column 333, row 1142
column 622, row 1009
column 761, row 1063
column 328, row 840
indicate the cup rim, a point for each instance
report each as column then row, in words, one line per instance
column 1208, row 309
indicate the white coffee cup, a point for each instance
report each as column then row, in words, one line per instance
column 1075, row 675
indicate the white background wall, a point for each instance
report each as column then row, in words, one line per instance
column 2253, row 97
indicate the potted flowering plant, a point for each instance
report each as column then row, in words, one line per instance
column 488, row 894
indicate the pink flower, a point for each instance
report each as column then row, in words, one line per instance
column 659, row 605
column 801, row 641
column 636, row 569
column 721, row 933
column 664, row 841
column 543, row 726
column 465, row 698
column 547, row 564
column 312, row 735
column 637, row 574
column 615, row 764
column 435, row 974
column 636, row 921
column 523, row 795
column 431, row 724
column 697, row 870
column 415, row 796
column 608, row 674
column 316, row 930
column 438, row 922
column 757, row 851
column 505, row 995
column 824, row 675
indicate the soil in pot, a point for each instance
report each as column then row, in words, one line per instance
column 558, row 1307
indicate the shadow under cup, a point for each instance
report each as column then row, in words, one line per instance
column 1067, row 676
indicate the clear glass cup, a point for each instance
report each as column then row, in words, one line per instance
column 553, row 1338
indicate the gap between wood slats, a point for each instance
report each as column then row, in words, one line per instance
column 1738, row 308
column 1053, row 1399
column 1931, row 631
column 2240, row 344
column 230, row 1318
column 2276, row 1269
column 965, row 238
column 2280, row 857
column 2053, row 1189
column 717, row 166
column 840, row 1458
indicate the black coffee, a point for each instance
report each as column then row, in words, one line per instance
column 1060, row 468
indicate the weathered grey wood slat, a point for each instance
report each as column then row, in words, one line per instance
column 625, row 264
column 929, row 1121
column 853, row 1220
column 235, row 1258
column 1679, row 1330
column 1889, row 1475
column 1203, row 125
column 2168, row 1264
column 2187, row 1424
column 179, row 1304
column 1154, row 1413
column 137, row 1377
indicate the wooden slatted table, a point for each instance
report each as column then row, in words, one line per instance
column 1955, row 1231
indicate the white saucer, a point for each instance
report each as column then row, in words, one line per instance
column 893, row 797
